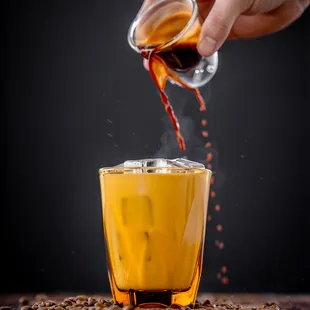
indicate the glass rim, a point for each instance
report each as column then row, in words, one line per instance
column 171, row 170
column 140, row 15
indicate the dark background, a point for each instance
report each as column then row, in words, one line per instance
column 77, row 98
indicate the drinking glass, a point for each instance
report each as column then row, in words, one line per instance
column 177, row 45
column 154, row 219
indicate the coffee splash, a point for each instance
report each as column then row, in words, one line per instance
column 167, row 60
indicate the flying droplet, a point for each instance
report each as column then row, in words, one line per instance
column 224, row 269
column 205, row 134
column 209, row 157
column 219, row 227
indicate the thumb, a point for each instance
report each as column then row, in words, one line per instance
column 217, row 26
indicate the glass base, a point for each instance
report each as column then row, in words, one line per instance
column 201, row 74
column 156, row 299
column 159, row 298
column 163, row 299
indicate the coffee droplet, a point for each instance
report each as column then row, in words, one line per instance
column 224, row 269
column 204, row 122
column 219, row 227
column 205, row 134
column 209, row 157
column 221, row 245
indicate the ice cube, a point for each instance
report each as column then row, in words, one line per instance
column 137, row 212
column 156, row 162
column 185, row 163
column 161, row 163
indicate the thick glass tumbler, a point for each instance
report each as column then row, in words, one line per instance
column 154, row 218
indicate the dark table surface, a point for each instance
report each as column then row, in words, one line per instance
column 206, row 300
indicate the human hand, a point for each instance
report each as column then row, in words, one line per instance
column 241, row 19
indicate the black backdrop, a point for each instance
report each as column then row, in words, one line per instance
column 77, row 98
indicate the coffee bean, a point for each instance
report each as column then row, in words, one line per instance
column 114, row 307
column 40, row 297
column 108, row 304
column 26, row 308
column 91, row 301
column 70, row 300
column 59, row 308
column 82, row 297
column 196, row 304
column 128, row 307
column 99, row 305
column 206, row 303
column 64, row 304
column 23, row 301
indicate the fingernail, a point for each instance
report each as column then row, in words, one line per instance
column 207, row 46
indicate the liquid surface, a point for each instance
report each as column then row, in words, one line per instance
column 155, row 237
column 166, row 62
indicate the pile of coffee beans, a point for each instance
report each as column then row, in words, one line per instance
column 83, row 302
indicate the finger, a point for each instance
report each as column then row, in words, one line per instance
column 264, row 24
column 262, row 6
column 217, row 25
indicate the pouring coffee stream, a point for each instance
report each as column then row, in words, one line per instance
column 166, row 62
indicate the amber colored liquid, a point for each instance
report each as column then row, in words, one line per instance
column 154, row 231
column 166, row 62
